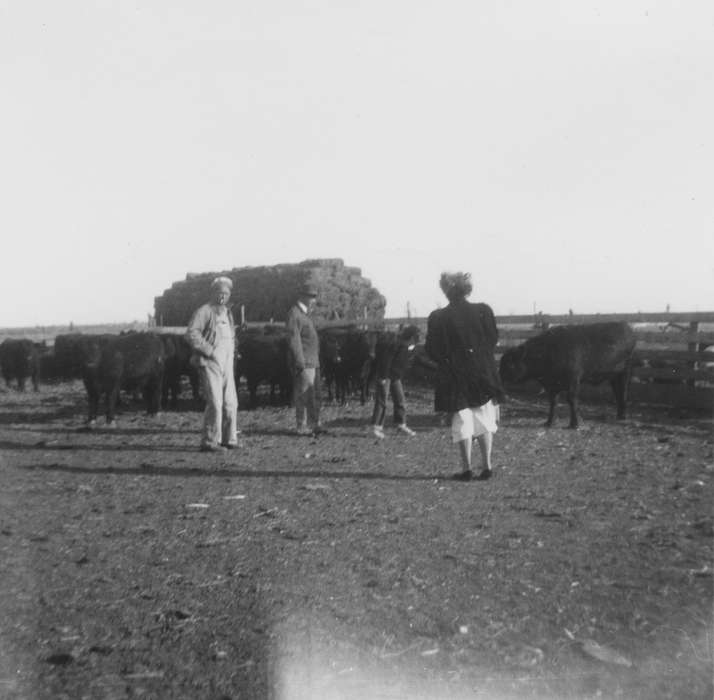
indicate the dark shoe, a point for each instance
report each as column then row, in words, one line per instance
column 463, row 476
column 229, row 445
column 212, row 448
column 319, row 430
column 484, row 474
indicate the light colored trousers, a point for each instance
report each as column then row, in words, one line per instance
column 220, row 419
column 306, row 397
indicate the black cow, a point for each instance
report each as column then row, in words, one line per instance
column 19, row 360
column 565, row 356
column 76, row 354
column 132, row 362
column 346, row 360
column 263, row 357
column 330, row 359
column 177, row 364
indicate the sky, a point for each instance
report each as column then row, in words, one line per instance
column 561, row 152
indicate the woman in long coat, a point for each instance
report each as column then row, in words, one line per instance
column 461, row 338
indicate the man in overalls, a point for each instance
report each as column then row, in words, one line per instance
column 211, row 334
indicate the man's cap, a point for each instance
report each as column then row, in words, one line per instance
column 308, row 290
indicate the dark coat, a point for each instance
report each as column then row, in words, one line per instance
column 461, row 339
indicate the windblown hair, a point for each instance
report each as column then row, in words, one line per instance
column 456, row 285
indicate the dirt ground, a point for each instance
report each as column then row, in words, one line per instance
column 133, row 566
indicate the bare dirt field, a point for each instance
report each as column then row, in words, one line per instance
column 133, row 566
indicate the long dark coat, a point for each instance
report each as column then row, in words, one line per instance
column 461, row 338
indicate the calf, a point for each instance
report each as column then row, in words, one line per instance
column 134, row 362
column 76, row 354
column 346, row 358
column 263, row 357
column 177, row 364
column 20, row 360
column 564, row 357
column 330, row 359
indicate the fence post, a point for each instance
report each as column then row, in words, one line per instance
column 692, row 346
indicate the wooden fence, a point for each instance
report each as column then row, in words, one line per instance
column 675, row 351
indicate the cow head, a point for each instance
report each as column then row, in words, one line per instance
column 330, row 349
column 513, row 366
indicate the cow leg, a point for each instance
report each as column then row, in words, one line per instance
column 170, row 391
column 619, row 388
column 92, row 400
column 336, row 381
column 286, row 390
column 365, row 376
column 112, row 396
column 35, row 381
column 341, row 390
column 148, row 395
column 552, row 398
column 165, row 390
column 154, row 389
column 175, row 389
column 253, row 393
column 21, row 383
column 572, row 397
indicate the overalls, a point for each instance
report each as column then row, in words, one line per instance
column 219, row 389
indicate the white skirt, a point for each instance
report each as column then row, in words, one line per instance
column 472, row 422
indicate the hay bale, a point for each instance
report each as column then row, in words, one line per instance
column 267, row 292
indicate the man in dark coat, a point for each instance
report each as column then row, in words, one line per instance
column 461, row 339
column 304, row 354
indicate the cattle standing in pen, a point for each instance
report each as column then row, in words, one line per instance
column 264, row 358
column 133, row 361
column 177, row 364
column 347, row 354
column 76, row 354
column 564, row 357
column 330, row 359
column 20, row 360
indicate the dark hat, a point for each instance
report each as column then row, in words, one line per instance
column 308, row 290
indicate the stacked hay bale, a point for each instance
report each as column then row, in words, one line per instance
column 268, row 292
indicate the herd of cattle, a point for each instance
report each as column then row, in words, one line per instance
column 154, row 364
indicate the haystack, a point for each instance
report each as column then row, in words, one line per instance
column 266, row 293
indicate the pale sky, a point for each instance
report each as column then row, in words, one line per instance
column 563, row 152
